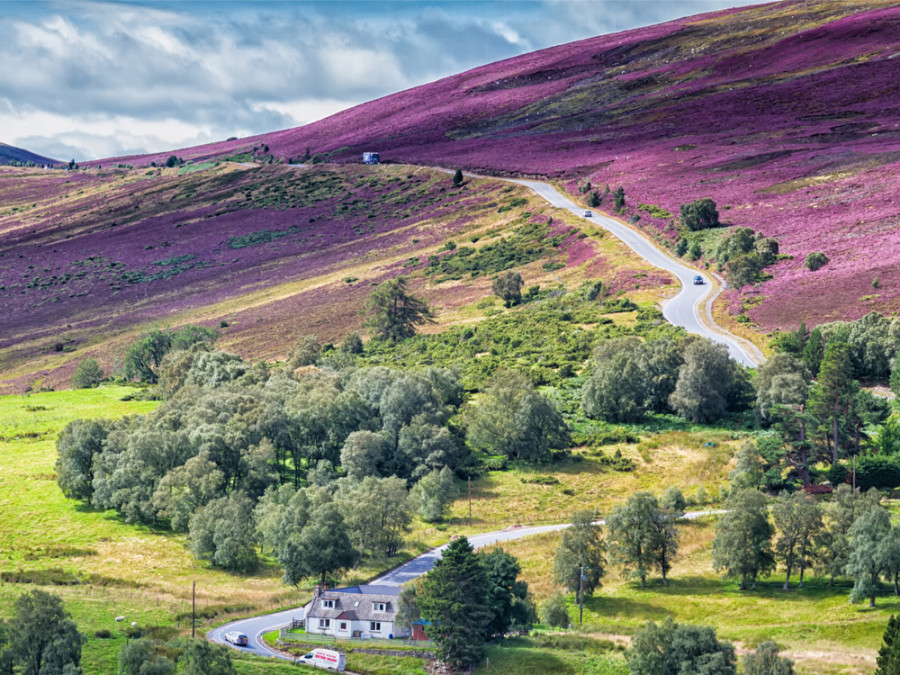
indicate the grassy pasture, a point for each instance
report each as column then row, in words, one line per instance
column 815, row 626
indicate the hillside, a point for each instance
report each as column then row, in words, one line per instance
column 8, row 154
column 786, row 114
column 89, row 259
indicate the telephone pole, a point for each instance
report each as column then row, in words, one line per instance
column 581, row 571
column 193, row 606
column 470, row 501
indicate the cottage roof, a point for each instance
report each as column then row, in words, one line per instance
column 359, row 601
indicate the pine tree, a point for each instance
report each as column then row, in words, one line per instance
column 454, row 602
column 889, row 655
column 394, row 313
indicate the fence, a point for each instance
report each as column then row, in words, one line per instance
column 286, row 635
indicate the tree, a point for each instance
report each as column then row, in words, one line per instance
column 673, row 649
column 617, row 390
column 619, row 199
column 581, row 546
column 832, row 396
column 783, row 380
column 432, row 495
column 748, row 472
column 365, row 453
column 798, row 518
column 305, row 352
column 866, row 561
column 136, row 657
column 554, row 612
column 888, row 660
column 742, row 546
column 454, row 601
column 458, row 178
column 642, row 537
column 143, row 357
column 765, row 661
column 77, row 446
column 43, row 638
column 408, row 607
column 508, row 287
column 700, row 214
column 223, row 532
column 507, row 595
column 204, row 658
column 845, row 507
column 513, row 419
column 706, row 381
column 376, row 513
column 322, row 547
column 394, row 313
column 87, row 374
column 672, row 502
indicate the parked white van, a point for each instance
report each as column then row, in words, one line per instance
column 325, row 658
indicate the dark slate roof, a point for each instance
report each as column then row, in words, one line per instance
column 356, row 603
column 367, row 589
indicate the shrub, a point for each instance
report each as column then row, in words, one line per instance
column 87, row 374
column 815, row 260
column 554, row 613
column 700, row 214
column 877, row 472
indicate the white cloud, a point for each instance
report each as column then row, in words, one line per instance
column 98, row 76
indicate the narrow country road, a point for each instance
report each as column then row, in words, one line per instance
column 255, row 627
column 686, row 307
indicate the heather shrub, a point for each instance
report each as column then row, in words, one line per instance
column 815, row 260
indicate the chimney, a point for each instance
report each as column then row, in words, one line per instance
column 317, row 591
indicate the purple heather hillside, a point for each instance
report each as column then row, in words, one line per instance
column 787, row 114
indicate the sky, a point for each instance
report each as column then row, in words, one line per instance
column 88, row 80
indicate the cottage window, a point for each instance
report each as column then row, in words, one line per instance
column 375, row 626
column 324, row 623
column 379, row 606
column 328, row 604
column 343, row 625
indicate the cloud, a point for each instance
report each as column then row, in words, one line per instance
column 101, row 78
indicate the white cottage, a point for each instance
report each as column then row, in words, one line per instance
column 363, row 611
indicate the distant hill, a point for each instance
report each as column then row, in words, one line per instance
column 8, row 154
column 787, row 114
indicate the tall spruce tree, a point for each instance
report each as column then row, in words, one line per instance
column 454, row 601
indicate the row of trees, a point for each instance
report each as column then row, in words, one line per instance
column 641, row 537
column 852, row 536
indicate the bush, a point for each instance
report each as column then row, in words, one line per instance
column 87, row 374
column 700, row 214
column 877, row 472
column 554, row 613
column 815, row 260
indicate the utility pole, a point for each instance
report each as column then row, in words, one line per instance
column 470, row 501
column 581, row 570
column 854, row 473
column 193, row 606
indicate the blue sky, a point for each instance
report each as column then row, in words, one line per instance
column 87, row 79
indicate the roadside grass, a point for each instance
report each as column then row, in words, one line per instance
column 364, row 664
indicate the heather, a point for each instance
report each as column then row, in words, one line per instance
column 88, row 254
column 785, row 114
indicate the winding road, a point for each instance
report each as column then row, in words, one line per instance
column 689, row 308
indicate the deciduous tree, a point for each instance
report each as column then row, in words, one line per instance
column 798, row 518
column 743, row 544
column 581, row 546
column 673, row 649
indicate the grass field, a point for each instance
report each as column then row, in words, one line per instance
column 104, row 567
column 816, row 626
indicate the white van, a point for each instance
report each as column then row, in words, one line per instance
column 325, row 658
